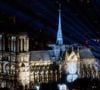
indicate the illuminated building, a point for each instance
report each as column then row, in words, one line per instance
column 21, row 67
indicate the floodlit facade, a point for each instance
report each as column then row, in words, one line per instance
column 20, row 67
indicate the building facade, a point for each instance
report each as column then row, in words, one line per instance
column 20, row 67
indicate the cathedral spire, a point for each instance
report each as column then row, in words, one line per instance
column 59, row 40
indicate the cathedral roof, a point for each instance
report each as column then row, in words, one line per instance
column 42, row 55
column 86, row 53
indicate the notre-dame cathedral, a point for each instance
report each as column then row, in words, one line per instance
column 21, row 67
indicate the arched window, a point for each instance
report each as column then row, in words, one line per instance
column 7, row 68
column 13, row 44
column 12, row 69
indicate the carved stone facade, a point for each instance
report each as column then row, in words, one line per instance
column 20, row 67
column 14, row 51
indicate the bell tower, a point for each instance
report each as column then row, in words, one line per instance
column 23, row 59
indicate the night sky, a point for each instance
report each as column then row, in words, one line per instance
column 80, row 21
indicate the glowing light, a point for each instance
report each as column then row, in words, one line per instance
column 62, row 87
column 71, row 67
column 71, row 78
column 24, row 76
column 37, row 87
column 3, row 84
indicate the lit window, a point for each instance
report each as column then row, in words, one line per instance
column 0, row 36
column 13, row 38
column 62, row 87
column 37, row 87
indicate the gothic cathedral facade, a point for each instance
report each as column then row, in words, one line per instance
column 21, row 67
